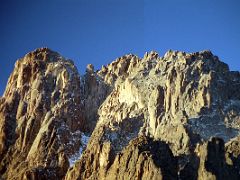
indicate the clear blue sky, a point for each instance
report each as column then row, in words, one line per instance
column 98, row 31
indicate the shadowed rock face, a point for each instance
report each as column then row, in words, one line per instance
column 170, row 117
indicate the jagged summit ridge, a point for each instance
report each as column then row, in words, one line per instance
column 174, row 117
column 177, row 99
column 44, row 54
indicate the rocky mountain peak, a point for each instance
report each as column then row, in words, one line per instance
column 151, row 55
column 41, row 112
column 44, row 54
column 90, row 69
column 179, row 99
column 170, row 117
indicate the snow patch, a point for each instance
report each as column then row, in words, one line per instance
column 84, row 141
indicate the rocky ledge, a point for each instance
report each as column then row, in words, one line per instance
column 170, row 117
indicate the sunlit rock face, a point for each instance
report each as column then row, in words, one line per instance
column 181, row 100
column 41, row 116
column 170, row 117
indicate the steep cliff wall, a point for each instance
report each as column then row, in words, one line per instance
column 170, row 117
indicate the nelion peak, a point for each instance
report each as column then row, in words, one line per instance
column 170, row 117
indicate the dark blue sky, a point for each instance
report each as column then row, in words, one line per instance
column 98, row 31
